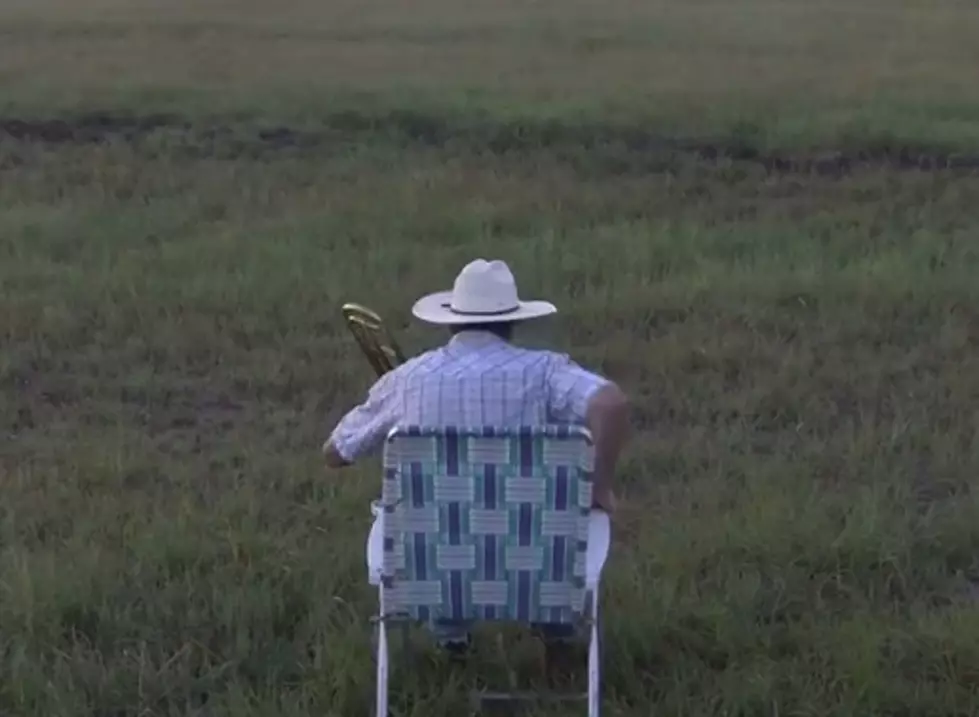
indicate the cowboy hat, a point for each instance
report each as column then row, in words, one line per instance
column 484, row 292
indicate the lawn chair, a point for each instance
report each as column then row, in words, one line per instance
column 488, row 524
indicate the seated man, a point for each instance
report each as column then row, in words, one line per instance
column 479, row 378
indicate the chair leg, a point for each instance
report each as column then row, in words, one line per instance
column 375, row 565
column 594, row 668
column 381, row 709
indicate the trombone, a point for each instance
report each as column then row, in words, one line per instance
column 374, row 338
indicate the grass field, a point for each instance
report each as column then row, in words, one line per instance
column 759, row 216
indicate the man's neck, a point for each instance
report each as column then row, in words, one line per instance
column 476, row 337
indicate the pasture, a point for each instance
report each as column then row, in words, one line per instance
column 758, row 216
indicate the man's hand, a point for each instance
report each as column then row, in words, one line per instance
column 605, row 500
column 333, row 457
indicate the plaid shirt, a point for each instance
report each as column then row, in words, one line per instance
column 477, row 379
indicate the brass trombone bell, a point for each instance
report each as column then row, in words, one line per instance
column 374, row 338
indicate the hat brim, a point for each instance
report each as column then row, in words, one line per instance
column 436, row 309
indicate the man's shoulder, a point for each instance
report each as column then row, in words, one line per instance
column 550, row 357
column 423, row 361
column 554, row 364
column 562, row 365
column 533, row 358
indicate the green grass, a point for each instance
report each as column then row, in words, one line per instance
column 758, row 237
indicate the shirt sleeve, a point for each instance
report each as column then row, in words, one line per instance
column 570, row 388
column 365, row 426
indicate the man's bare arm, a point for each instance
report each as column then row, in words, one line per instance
column 607, row 417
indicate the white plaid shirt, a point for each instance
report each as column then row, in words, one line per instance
column 477, row 379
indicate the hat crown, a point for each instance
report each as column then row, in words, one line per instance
column 485, row 288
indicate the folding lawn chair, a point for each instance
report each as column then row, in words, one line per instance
column 488, row 524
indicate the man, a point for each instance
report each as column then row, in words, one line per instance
column 480, row 378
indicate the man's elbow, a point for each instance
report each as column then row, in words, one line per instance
column 333, row 458
column 613, row 398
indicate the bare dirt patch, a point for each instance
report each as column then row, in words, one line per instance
column 622, row 149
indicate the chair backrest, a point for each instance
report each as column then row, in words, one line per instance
column 486, row 523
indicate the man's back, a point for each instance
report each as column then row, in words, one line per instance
column 477, row 379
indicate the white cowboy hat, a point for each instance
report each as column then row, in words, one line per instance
column 484, row 292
